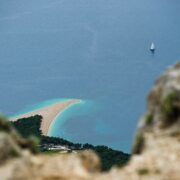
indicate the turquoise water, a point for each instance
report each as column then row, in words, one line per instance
column 83, row 108
column 94, row 50
column 57, row 129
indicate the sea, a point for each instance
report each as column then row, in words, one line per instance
column 93, row 50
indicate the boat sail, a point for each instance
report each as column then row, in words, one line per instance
column 152, row 48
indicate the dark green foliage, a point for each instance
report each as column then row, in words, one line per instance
column 29, row 126
column 168, row 104
column 149, row 119
column 46, row 140
column 4, row 124
column 10, row 129
column 14, row 153
column 87, row 146
column 143, row 171
column 139, row 143
column 110, row 157
column 33, row 143
column 170, row 108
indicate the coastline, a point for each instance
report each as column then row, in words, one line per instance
column 59, row 116
column 76, row 112
column 49, row 113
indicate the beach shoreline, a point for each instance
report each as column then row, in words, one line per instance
column 49, row 113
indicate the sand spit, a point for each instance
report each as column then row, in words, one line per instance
column 49, row 113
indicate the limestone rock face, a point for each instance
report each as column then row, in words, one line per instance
column 44, row 167
column 162, row 117
column 156, row 149
column 8, row 148
column 163, row 107
column 18, row 161
column 9, row 142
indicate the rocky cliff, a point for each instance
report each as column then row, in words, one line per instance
column 156, row 149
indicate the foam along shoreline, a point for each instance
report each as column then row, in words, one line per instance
column 49, row 113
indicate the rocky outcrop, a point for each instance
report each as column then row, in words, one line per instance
column 11, row 143
column 19, row 161
column 162, row 117
column 156, row 149
column 55, row 167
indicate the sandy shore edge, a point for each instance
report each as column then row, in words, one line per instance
column 49, row 113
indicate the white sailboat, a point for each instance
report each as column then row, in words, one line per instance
column 152, row 48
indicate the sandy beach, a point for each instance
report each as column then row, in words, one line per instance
column 49, row 113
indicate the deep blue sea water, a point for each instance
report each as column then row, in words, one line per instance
column 94, row 50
